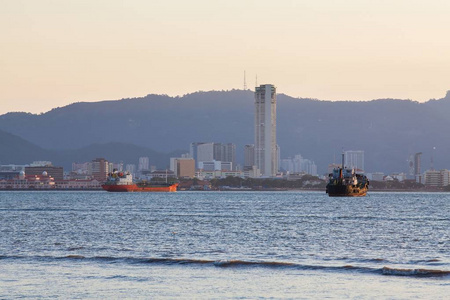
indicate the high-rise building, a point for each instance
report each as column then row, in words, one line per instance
column 100, row 169
column 205, row 152
column 185, row 168
column 193, row 150
column 143, row 164
column 229, row 153
column 249, row 155
column 266, row 157
column 354, row 160
column 417, row 163
column 213, row 151
column 437, row 178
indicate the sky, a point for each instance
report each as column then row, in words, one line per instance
column 53, row 52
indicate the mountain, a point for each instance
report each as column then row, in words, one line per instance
column 15, row 150
column 388, row 130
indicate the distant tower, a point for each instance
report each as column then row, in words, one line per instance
column 432, row 159
column 266, row 158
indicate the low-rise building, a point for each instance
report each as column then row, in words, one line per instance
column 28, row 182
column 434, row 178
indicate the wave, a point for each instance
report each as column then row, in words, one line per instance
column 387, row 271
column 415, row 272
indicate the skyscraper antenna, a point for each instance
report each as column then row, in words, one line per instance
column 256, row 82
column 245, row 83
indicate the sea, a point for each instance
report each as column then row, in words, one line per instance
column 224, row 245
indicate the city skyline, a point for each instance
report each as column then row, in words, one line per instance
column 57, row 53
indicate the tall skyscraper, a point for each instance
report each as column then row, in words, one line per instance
column 265, row 130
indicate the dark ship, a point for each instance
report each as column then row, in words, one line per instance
column 345, row 182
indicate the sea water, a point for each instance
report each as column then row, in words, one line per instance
column 218, row 245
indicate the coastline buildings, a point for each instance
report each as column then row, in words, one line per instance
column 266, row 156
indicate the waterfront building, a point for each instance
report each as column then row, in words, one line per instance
column 182, row 167
column 219, row 174
column 266, row 157
column 100, row 169
column 55, row 172
column 216, row 165
column 436, row 178
column 28, row 182
column 162, row 174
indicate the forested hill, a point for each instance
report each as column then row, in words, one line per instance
column 388, row 130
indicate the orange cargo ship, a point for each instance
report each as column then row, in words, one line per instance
column 120, row 182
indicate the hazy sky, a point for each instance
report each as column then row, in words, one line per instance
column 55, row 52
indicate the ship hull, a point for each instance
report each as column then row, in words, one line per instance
column 346, row 191
column 136, row 188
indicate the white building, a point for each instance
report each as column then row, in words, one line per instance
column 143, row 163
column 215, row 165
column 298, row 164
column 437, row 178
column 266, row 156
